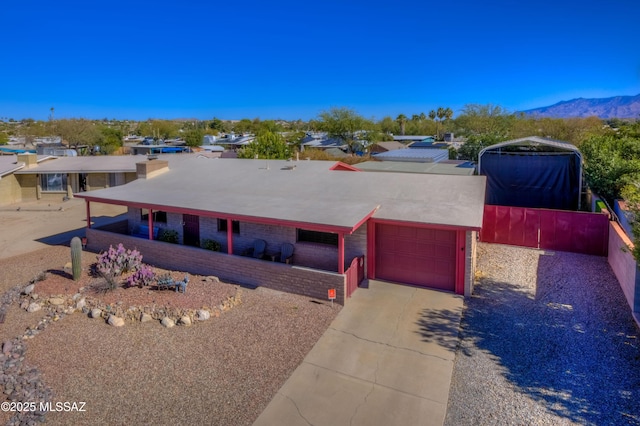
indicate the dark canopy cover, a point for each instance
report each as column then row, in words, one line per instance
column 532, row 180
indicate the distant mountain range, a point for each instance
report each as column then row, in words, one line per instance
column 614, row 107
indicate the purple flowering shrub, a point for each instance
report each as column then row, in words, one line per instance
column 143, row 276
column 117, row 261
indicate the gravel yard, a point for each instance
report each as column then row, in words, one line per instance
column 546, row 339
column 221, row 371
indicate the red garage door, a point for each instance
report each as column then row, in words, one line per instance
column 420, row 256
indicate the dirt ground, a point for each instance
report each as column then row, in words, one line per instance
column 31, row 226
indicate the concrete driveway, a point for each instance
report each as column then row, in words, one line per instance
column 387, row 359
column 33, row 225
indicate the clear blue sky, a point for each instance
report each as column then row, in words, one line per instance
column 138, row 59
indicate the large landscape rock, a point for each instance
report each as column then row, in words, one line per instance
column 56, row 301
column 145, row 317
column 95, row 313
column 29, row 289
column 203, row 315
column 185, row 320
column 115, row 321
column 167, row 322
column 33, row 307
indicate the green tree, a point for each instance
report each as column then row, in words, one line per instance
column 267, row 145
column 193, row 137
column 612, row 162
column 4, row 138
column 402, row 121
column 474, row 144
column 111, row 139
column 344, row 123
column 77, row 132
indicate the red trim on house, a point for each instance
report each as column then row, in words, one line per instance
column 344, row 167
column 229, row 236
column 341, row 253
column 461, row 242
column 150, row 224
column 371, row 250
column 88, row 214
column 424, row 225
column 254, row 219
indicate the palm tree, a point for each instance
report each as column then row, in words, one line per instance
column 432, row 114
column 401, row 119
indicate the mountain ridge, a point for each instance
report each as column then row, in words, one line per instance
column 612, row 107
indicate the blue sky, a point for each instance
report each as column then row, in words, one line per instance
column 139, row 59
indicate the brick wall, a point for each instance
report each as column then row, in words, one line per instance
column 317, row 256
column 238, row 269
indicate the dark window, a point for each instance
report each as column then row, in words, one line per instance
column 157, row 216
column 235, row 226
column 53, row 182
column 318, row 237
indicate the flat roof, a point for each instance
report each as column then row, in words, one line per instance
column 461, row 168
column 308, row 193
column 424, row 155
column 93, row 164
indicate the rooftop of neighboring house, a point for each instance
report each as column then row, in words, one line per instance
column 388, row 146
column 304, row 192
column 414, row 155
column 10, row 164
column 445, row 167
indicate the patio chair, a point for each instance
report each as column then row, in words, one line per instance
column 286, row 253
column 257, row 252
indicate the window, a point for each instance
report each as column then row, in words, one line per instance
column 53, row 182
column 318, row 237
column 157, row 216
column 235, row 226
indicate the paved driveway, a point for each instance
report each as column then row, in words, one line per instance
column 33, row 225
column 387, row 359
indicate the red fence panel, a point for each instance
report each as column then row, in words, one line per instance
column 355, row 274
column 561, row 230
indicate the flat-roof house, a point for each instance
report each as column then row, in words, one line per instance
column 406, row 228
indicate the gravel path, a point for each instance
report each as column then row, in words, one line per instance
column 219, row 372
column 546, row 339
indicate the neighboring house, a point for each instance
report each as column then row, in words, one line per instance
column 532, row 172
column 414, row 155
column 406, row 228
column 413, row 138
column 444, row 167
column 10, row 183
column 386, row 146
column 65, row 176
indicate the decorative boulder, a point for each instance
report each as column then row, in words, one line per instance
column 34, row 307
column 203, row 315
column 96, row 313
column 29, row 289
column 145, row 317
column 167, row 322
column 115, row 321
column 185, row 320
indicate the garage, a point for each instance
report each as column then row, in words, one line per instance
column 416, row 255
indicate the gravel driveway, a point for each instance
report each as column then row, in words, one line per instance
column 546, row 339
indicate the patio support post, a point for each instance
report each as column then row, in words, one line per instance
column 150, row 223
column 341, row 253
column 371, row 248
column 87, row 205
column 229, row 236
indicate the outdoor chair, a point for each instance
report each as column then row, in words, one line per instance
column 286, row 253
column 258, row 249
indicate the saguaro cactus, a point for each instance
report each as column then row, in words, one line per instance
column 76, row 257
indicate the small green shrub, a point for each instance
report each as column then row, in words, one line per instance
column 169, row 236
column 212, row 245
